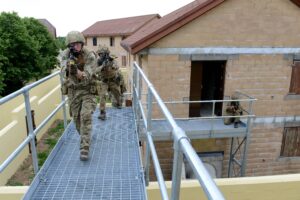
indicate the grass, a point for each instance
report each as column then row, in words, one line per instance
column 25, row 174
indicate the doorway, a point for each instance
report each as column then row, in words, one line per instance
column 206, row 83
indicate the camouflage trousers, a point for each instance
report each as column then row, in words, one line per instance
column 230, row 120
column 111, row 87
column 81, row 109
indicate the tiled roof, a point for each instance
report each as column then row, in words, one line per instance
column 159, row 28
column 122, row 26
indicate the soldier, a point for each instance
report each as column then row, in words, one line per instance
column 78, row 65
column 123, row 89
column 109, row 77
column 233, row 109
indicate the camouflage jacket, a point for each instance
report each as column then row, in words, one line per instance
column 86, row 62
column 108, row 70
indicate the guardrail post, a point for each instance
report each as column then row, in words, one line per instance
column 30, row 131
column 244, row 162
column 177, row 169
column 134, row 94
column 63, row 100
column 149, row 127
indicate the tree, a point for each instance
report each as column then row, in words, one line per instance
column 27, row 51
column 61, row 43
column 18, row 52
column 45, row 45
column 2, row 60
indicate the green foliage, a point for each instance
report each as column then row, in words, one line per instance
column 27, row 51
column 60, row 41
column 42, row 157
column 45, row 44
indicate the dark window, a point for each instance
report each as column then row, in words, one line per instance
column 94, row 41
column 290, row 146
column 295, row 79
column 123, row 61
column 112, row 41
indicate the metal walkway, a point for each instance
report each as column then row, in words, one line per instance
column 113, row 171
column 197, row 129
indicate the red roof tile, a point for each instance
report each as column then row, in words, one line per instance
column 159, row 28
column 122, row 26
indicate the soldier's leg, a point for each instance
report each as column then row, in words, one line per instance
column 228, row 120
column 102, row 99
column 236, row 121
column 88, row 107
column 75, row 107
column 116, row 93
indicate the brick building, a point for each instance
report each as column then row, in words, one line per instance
column 111, row 32
column 223, row 46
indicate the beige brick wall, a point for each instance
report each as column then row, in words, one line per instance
column 237, row 23
column 116, row 50
column 241, row 23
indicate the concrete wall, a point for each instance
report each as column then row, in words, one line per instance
column 251, row 188
column 44, row 99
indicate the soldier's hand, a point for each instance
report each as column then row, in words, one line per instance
column 80, row 74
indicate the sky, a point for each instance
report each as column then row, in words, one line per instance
column 69, row 15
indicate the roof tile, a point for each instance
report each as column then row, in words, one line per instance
column 122, row 26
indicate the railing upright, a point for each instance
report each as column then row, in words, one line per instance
column 30, row 130
column 63, row 98
column 249, row 121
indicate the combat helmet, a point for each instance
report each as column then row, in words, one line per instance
column 74, row 36
column 102, row 50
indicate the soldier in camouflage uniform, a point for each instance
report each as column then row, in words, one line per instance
column 109, row 77
column 233, row 109
column 78, row 65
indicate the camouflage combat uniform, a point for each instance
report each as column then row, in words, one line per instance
column 81, row 93
column 233, row 108
column 109, row 80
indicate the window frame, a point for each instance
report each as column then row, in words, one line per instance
column 124, row 61
column 94, row 41
column 112, row 41
column 287, row 147
column 295, row 80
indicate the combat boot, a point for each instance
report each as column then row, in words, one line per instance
column 102, row 115
column 116, row 105
column 236, row 124
column 84, row 154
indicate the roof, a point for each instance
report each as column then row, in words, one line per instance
column 159, row 28
column 49, row 26
column 121, row 26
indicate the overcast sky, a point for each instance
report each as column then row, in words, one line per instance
column 67, row 15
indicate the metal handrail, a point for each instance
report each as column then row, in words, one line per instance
column 32, row 133
column 181, row 144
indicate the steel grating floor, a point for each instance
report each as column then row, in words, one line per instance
column 113, row 171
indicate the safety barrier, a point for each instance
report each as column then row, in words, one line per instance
column 32, row 133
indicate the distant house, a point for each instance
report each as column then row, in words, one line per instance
column 111, row 32
column 49, row 26
column 209, row 49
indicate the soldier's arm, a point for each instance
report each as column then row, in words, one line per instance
column 90, row 65
column 63, row 64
